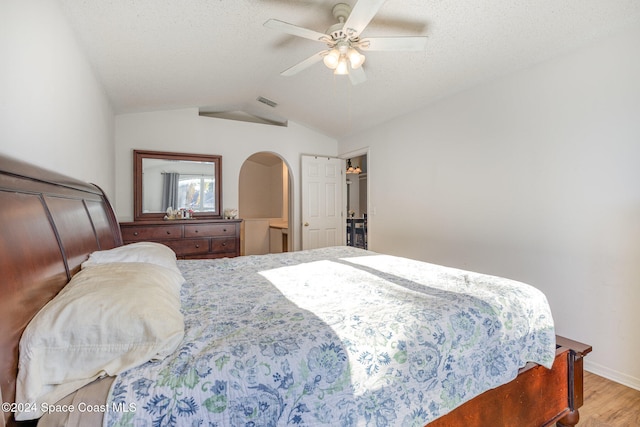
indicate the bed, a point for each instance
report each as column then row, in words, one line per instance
column 381, row 360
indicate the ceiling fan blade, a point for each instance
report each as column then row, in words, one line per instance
column 357, row 75
column 393, row 43
column 361, row 14
column 304, row 64
column 285, row 27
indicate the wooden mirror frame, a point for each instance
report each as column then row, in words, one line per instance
column 139, row 155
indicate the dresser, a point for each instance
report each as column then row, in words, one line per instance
column 197, row 238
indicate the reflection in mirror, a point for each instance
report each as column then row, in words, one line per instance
column 187, row 181
column 178, row 184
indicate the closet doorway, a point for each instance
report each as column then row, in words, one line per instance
column 265, row 204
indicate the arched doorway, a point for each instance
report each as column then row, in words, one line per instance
column 264, row 198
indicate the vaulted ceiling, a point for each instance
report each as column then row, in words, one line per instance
column 217, row 55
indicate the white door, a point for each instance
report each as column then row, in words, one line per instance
column 322, row 219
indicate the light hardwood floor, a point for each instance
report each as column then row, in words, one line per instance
column 608, row 404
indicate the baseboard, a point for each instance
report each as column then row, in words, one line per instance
column 611, row 374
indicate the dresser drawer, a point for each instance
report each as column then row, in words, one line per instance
column 223, row 245
column 142, row 233
column 209, row 230
column 189, row 239
column 188, row 247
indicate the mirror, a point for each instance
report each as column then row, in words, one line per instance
column 177, row 180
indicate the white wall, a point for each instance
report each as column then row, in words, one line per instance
column 536, row 177
column 53, row 111
column 186, row 132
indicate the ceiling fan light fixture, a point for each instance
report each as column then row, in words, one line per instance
column 331, row 59
column 343, row 68
column 343, row 52
column 356, row 59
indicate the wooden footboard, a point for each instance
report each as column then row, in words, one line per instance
column 576, row 378
column 537, row 397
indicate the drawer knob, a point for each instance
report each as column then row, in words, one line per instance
column 197, row 246
column 135, row 233
column 168, row 232
column 195, row 231
column 224, row 230
column 224, row 243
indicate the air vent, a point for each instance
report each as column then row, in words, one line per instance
column 266, row 101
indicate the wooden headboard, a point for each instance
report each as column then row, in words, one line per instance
column 49, row 224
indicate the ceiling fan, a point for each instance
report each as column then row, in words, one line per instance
column 343, row 40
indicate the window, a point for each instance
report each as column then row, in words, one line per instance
column 196, row 192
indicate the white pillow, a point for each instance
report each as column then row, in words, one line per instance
column 109, row 318
column 151, row 252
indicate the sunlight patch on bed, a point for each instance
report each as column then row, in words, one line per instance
column 339, row 282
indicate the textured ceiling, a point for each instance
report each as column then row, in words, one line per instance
column 164, row 54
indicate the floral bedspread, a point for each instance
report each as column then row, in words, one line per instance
column 336, row 337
